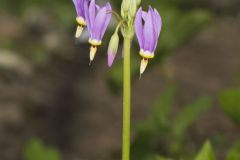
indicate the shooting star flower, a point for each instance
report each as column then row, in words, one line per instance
column 81, row 21
column 147, row 34
column 112, row 48
column 98, row 19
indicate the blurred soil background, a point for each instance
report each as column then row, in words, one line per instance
column 48, row 90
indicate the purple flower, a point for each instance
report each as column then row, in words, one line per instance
column 97, row 19
column 148, row 27
column 79, row 6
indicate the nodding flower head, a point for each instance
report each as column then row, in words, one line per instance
column 148, row 27
column 81, row 20
column 98, row 18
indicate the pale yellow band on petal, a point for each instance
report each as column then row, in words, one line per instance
column 81, row 21
column 94, row 42
column 146, row 54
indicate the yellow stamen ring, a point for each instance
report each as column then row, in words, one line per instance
column 81, row 22
column 94, row 42
column 93, row 49
column 146, row 54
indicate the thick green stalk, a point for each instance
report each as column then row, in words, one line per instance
column 126, row 100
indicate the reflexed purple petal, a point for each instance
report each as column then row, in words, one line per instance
column 139, row 27
column 158, row 24
column 144, row 15
column 155, row 32
column 92, row 12
column 86, row 10
column 108, row 18
column 79, row 6
column 153, row 20
column 101, row 22
column 98, row 7
column 158, row 20
column 111, row 57
column 148, row 33
column 97, row 19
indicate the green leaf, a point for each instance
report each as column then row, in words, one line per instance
column 234, row 152
column 162, row 158
column 159, row 117
column 163, row 105
column 52, row 154
column 230, row 101
column 35, row 150
column 155, row 126
column 206, row 152
column 189, row 114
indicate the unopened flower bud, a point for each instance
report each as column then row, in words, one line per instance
column 125, row 8
column 126, row 5
column 133, row 9
column 112, row 48
column 138, row 2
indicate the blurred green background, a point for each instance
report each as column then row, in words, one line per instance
column 53, row 106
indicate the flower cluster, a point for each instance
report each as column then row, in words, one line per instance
column 147, row 26
column 96, row 19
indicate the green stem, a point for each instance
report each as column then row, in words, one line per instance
column 126, row 100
